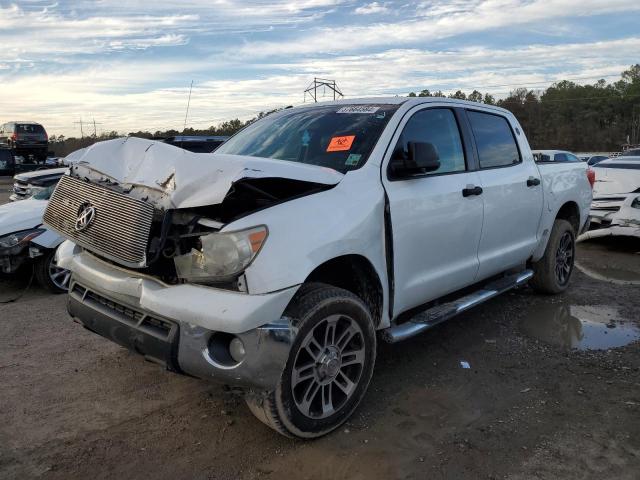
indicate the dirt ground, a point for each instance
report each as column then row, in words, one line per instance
column 76, row 406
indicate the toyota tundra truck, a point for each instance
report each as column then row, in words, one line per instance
column 276, row 263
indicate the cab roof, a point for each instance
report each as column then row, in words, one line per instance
column 409, row 101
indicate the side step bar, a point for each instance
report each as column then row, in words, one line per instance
column 438, row 314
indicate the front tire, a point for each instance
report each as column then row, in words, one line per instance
column 552, row 272
column 49, row 275
column 329, row 366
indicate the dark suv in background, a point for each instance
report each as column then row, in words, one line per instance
column 25, row 139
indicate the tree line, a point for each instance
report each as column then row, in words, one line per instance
column 578, row 117
column 591, row 117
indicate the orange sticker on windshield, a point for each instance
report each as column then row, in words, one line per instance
column 340, row 144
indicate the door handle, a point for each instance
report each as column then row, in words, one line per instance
column 471, row 190
column 533, row 182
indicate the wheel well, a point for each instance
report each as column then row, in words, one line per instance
column 570, row 212
column 355, row 274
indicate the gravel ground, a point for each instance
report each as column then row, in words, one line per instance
column 75, row 406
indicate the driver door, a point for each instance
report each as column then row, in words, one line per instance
column 435, row 229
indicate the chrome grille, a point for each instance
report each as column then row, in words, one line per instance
column 121, row 226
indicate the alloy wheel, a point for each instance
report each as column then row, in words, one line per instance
column 328, row 366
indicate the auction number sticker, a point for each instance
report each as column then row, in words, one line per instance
column 341, row 144
column 359, row 109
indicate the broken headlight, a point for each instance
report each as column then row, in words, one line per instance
column 24, row 236
column 221, row 256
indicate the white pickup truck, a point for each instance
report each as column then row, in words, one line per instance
column 271, row 263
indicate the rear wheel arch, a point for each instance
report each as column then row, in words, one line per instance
column 571, row 213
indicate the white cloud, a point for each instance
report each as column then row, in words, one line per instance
column 118, row 97
column 472, row 17
column 371, row 8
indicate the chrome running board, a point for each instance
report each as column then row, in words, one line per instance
column 438, row 314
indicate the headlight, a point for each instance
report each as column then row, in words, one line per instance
column 24, row 236
column 635, row 203
column 222, row 255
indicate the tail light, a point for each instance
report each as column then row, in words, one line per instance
column 591, row 176
column 14, row 136
column 46, row 136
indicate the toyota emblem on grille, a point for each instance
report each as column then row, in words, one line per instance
column 86, row 216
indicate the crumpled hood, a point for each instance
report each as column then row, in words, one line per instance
column 23, row 215
column 171, row 177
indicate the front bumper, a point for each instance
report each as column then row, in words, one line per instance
column 178, row 326
column 12, row 258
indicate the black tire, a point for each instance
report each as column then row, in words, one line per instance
column 45, row 273
column 552, row 273
column 326, row 315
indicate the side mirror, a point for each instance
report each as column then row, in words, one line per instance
column 422, row 157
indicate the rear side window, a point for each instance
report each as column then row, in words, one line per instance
column 29, row 128
column 439, row 127
column 494, row 139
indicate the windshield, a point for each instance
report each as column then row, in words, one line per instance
column 29, row 128
column 340, row 137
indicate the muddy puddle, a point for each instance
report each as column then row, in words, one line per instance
column 594, row 327
column 607, row 273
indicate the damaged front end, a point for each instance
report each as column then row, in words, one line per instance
column 157, row 265
column 163, row 211
column 615, row 215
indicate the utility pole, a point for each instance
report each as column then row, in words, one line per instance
column 188, row 103
column 95, row 133
column 312, row 89
column 81, row 130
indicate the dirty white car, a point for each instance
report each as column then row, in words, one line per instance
column 27, row 184
column 616, row 198
column 23, row 239
column 270, row 264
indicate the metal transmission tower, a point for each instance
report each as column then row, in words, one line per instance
column 312, row 89
column 82, row 123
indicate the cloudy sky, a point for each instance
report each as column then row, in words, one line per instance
column 129, row 64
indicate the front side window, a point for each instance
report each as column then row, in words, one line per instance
column 437, row 126
column 560, row 157
column 340, row 137
column 494, row 139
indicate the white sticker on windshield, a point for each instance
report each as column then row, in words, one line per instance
column 359, row 109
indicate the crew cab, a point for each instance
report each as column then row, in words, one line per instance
column 271, row 263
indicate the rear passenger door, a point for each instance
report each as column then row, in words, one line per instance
column 512, row 193
column 435, row 228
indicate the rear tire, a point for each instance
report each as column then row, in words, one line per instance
column 329, row 366
column 49, row 275
column 552, row 273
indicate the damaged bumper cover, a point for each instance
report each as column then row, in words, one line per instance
column 614, row 215
column 178, row 326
